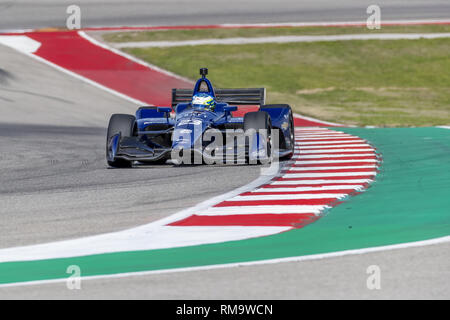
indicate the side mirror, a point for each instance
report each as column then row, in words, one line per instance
column 164, row 109
column 230, row 108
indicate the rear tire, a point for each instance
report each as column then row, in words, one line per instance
column 291, row 126
column 124, row 124
column 258, row 121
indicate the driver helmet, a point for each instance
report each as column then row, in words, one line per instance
column 204, row 101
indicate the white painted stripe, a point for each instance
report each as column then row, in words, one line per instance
column 20, row 43
column 300, row 182
column 334, row 161
column 275, row 209
column 330, row 168
column 328, row 174
column 322, row 188
column 318, row 156
column 280, row 39
column 335, row 150
column 316, row 143
column 444, row 127
column 154, row 238
column 334, row 146
column 289, row 197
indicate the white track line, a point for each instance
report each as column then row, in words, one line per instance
column 269, row 209
column 280, row 39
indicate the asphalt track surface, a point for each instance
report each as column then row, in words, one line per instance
column 55, row 184
column 414, row 273
column 55, row 181
column 25, row 14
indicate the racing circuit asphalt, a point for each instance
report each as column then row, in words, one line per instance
column 22, row 14
column 55, row 184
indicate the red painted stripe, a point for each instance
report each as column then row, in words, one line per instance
column 336, row 164
column 261, row 26
column 275, row 220
column 74, row 53
column 300, row 122
column 334, row 147
column 299, row 152
column 275, row 186
column 299, row 158
column 324, row 178
column 331, row 170
column 342, row 191
column 335, row 139
column 283, row 202
column 242, row 110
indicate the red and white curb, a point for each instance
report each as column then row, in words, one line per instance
column 327, row 167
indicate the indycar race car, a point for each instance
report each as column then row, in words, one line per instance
column 202, row 129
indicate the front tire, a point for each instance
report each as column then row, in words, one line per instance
column 124, row 124
column 261, row 123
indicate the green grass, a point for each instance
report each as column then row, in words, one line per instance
column 173, row 35
column 383, row 83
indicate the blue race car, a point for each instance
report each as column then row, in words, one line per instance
column 197, row 131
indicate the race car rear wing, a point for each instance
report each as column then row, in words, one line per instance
column 255, row 96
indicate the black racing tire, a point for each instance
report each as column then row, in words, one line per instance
column 259, row 120
column 291, row 126
column 124, row 124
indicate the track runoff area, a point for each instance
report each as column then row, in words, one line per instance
column 356, row 189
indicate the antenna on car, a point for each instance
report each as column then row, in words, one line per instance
column 203, row 72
